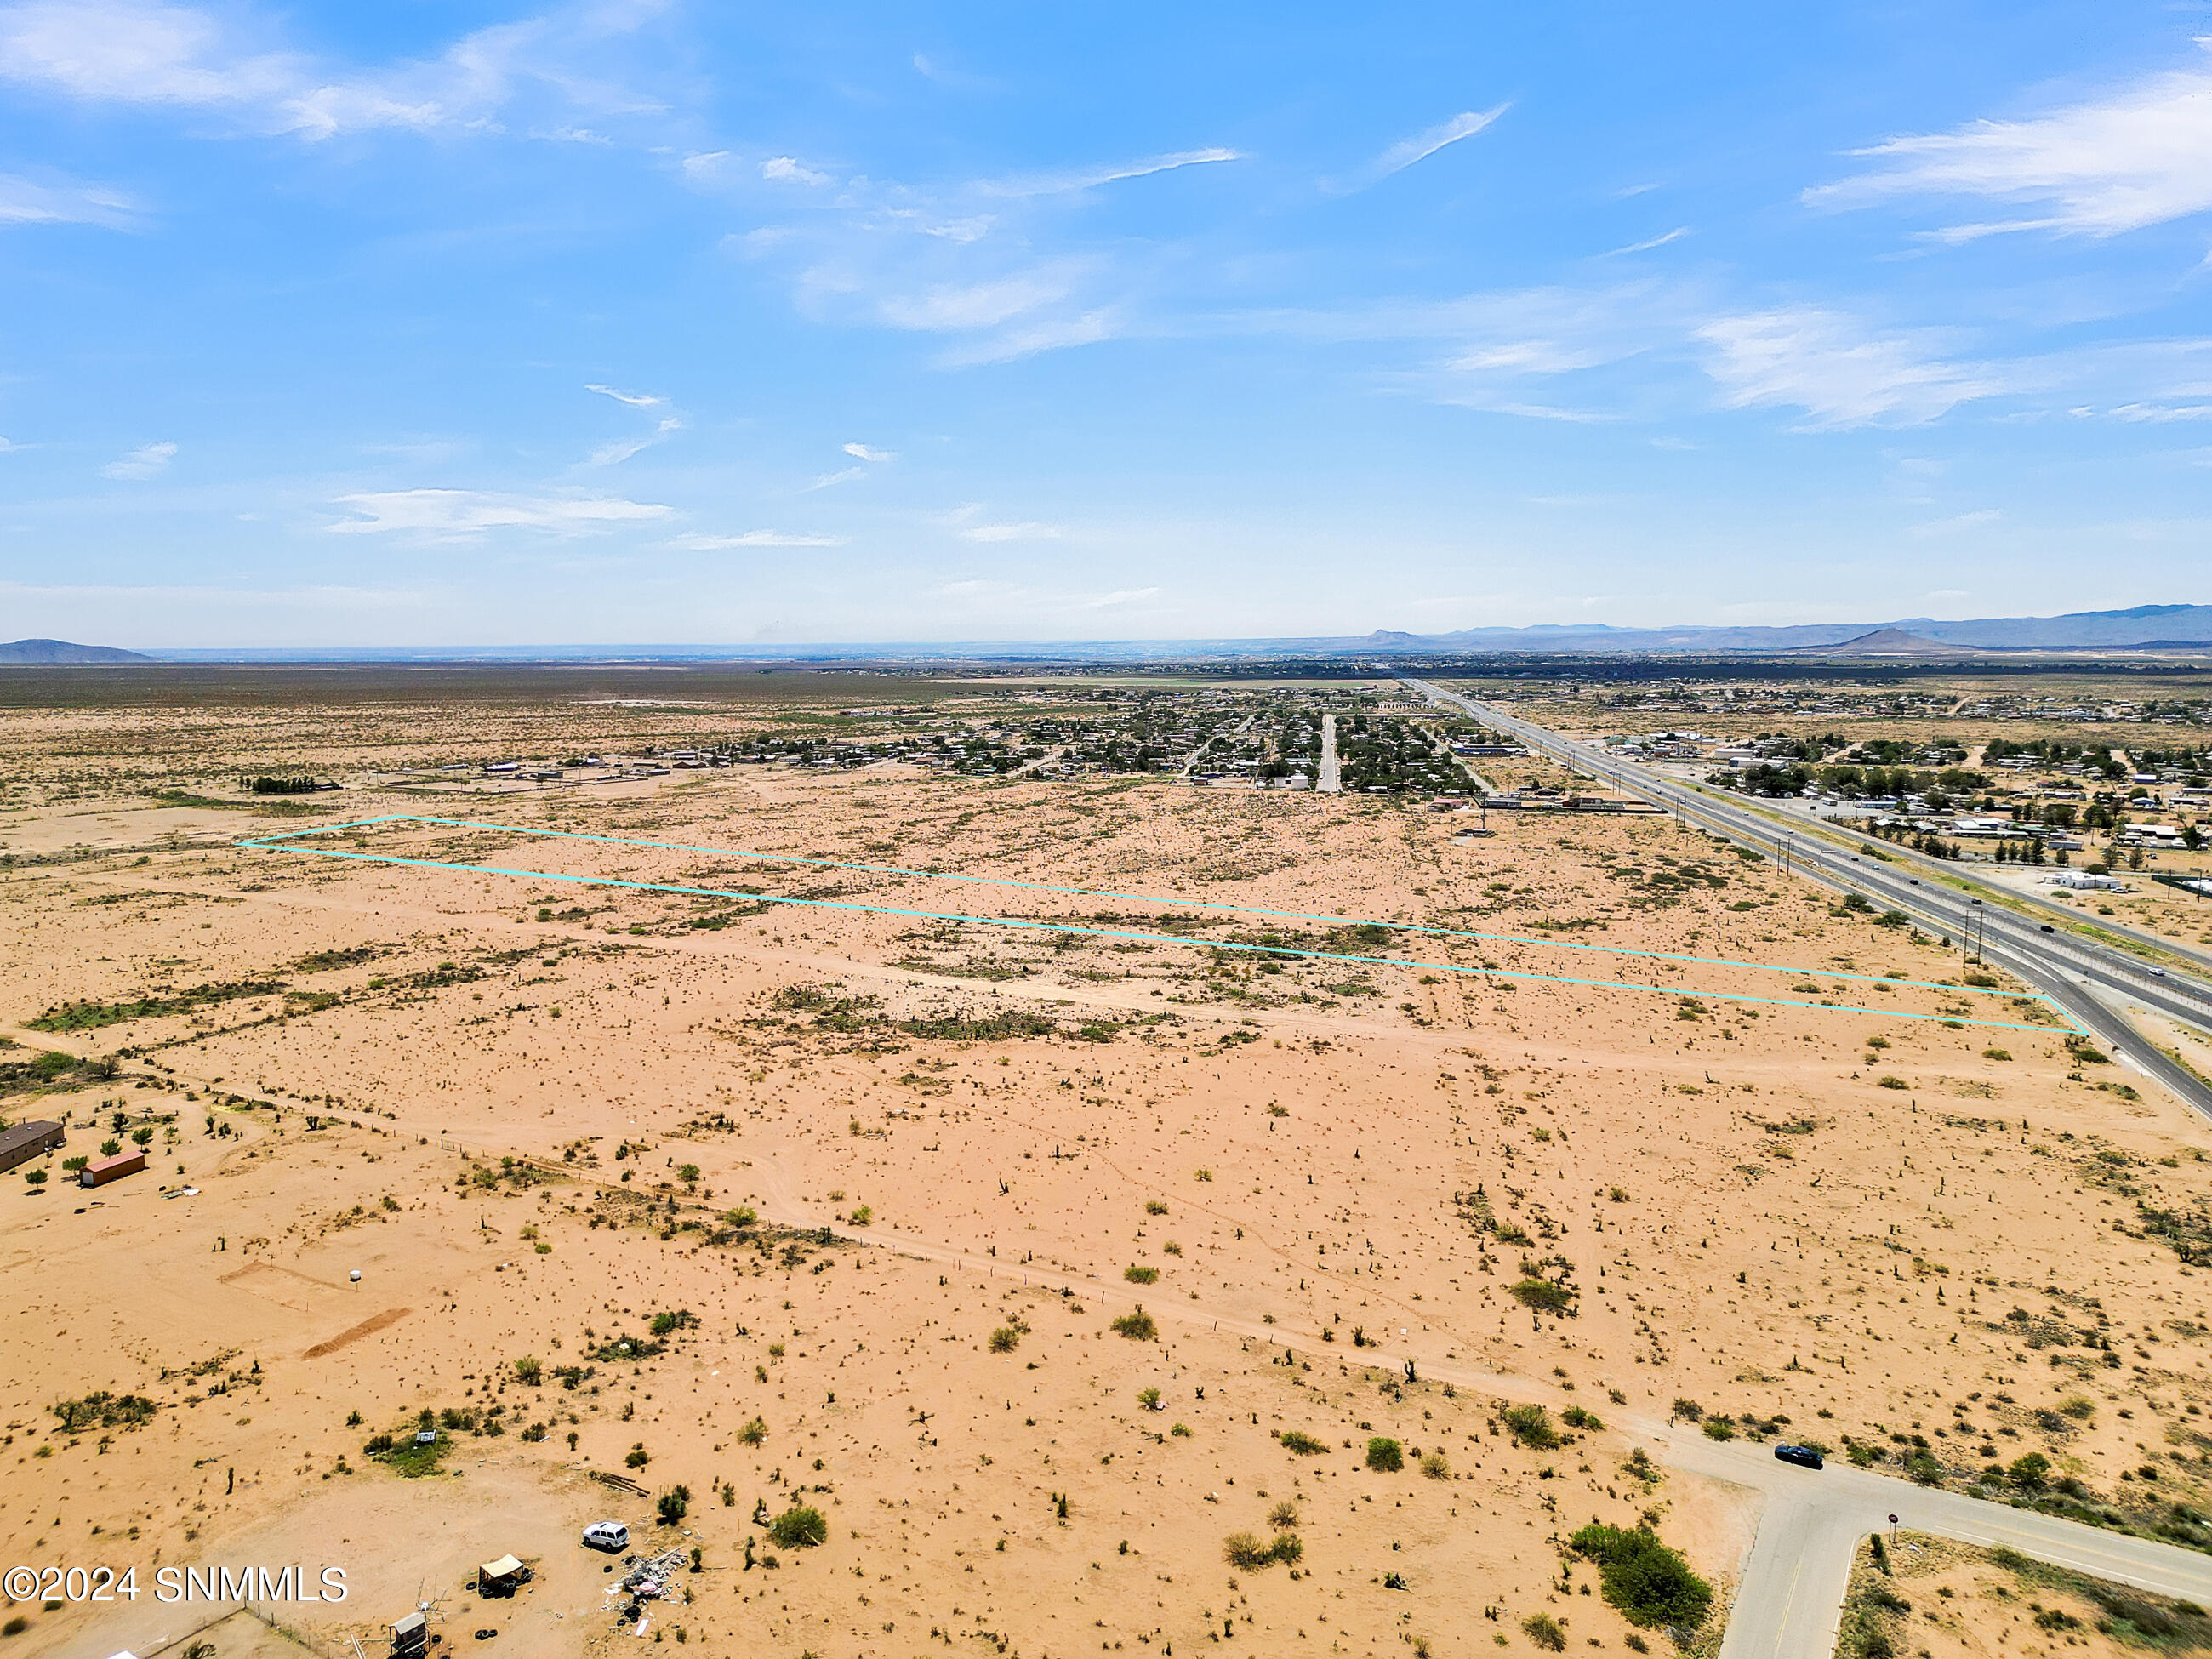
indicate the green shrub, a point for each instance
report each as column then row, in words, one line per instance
column 1385, row 1454
column 528, row 1371
column 1245, row 1549
column 1543, row 1296
column 1719, row 1428
column 753, row 1432
column 1006, row 1340
column 1137, row 1275
column 1305, row 1444
column 1650, row 1583
column 1437, row 1466
column 1531, row 1426
column 1575, row 1417
column 1545, row 1632
column 800, row 1526
column 673, row 1505
column 1138, row 1327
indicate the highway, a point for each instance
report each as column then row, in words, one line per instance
column 2071, row 969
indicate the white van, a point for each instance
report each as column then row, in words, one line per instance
column 611, row 1536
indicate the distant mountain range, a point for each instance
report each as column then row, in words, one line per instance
column 2154, row 627
column 52, row 650
column 2142, row 628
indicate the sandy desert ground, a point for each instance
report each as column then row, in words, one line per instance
column 884, row 1183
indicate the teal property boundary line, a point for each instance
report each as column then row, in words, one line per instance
column 289, row 842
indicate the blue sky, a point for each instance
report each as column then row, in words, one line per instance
column 458, row 324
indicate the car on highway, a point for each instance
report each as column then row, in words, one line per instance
column 2048, row 928
column 1805, row 1457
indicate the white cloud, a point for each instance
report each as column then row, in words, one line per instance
column 149, row 461
column 1056, row 184
column 1828, row 365
column 152, row 53
column 2139, row 156
column 1645, row 246
column 844, row 475
column 1026, row 532
column 26, row 202
column 457, row 515
column 701, row 544
column 974, row 306
column 635, row 399
column 862, row 452
column 1422, row 145
column 613, row 455
column 786, row 170
column 1956, row 522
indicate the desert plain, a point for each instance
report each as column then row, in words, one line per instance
column 1281, row 1241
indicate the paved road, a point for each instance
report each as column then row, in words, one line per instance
column 2044, row 907
column 1331, row 781
column 2068, row 968
column 1792, row 1595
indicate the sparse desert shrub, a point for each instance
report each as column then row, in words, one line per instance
column 636, row 1457
column 1386, row 1454
column 1719, row 1428
column 1437, row 1466
column 1887, row 1081
column 1687, row 1410
column 1305, row 1444
column 1651, row 1584
column 1154, row 1206
column 1530, row 1426
column 1138, row 1327
column 1139, row 1275
column 1545, row 1632
column 1997, row 1053
column 1006, row 1340
column 862, row 1216
column 1543, row 1296
column 753, row 1432
column 1245, row 1549
column 1284, row 1515
column 800, row 1526
column 1289, row 1549
column 1575, row 1417
column 528, row 1371
column 673, row 1505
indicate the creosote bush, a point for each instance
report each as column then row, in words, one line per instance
column 1138, row 1327
column 1386, row 1454
column 800, row 1526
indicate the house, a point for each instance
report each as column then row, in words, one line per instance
column 2081, row 882
column 27, row 1141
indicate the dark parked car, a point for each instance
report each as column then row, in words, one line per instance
column 1803, row 1456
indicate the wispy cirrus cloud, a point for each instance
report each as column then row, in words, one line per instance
column 635, row 399
column 149, row 461
column 2139, row 155
column 619, row 450
column 710, row 544
column 154, row 53
column 466, row 515
column 35, row 202
column 988, row 263
column 1089, row 177
column 1840, row 373
column 1418, row 148
column 614, row 453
